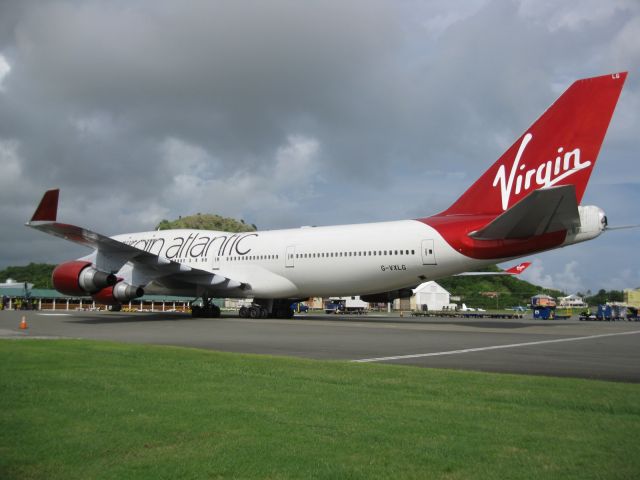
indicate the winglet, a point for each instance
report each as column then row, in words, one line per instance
column 518, row 269
column 47, row 210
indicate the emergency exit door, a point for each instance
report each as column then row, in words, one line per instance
column 428, row 253
column 289, row 257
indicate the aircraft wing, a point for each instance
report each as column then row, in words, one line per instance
column 542, row 211
column 112, row 255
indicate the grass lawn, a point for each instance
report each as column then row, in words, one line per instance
column 84, row 409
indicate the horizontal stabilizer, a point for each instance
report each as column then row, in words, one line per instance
column 542, row 211
column 621, row 227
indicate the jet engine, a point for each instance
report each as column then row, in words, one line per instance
column 119, row 293
column 79, row 278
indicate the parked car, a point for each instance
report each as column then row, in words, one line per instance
column 299, row 307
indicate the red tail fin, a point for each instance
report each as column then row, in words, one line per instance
column 560, row 148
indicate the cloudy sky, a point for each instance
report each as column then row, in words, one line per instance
column 287, row 113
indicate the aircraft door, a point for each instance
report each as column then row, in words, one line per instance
column 215, row 264
column 290, row 257
column 428, row 253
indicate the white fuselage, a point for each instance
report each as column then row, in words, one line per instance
column 303, row 262
column 312, row 261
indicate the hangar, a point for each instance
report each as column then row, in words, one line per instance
column 431, row 296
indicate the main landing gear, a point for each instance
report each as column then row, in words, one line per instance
column 207, row 310
column 266, row 308
column 254, row 311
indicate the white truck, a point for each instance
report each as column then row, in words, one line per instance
column 346, row 305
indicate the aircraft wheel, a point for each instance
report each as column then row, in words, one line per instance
column 254, row 312
column 196, row 311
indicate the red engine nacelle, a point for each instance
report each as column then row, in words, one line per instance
column 80, row 278
column 121, row 292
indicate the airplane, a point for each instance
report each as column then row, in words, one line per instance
column 528, row 201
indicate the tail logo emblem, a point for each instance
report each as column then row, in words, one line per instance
column 546, row 174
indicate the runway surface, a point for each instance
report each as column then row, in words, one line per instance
column 600, row 350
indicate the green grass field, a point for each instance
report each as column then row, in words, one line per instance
column 83, row 409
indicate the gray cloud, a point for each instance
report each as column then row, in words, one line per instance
column 286, row 113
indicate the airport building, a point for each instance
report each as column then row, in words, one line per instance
column 632, row 297
column 430, row 296
column 46, row 299
column 571, row 301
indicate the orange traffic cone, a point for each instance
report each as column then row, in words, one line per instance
column 23, row 323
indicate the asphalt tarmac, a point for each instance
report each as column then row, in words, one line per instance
column 566, row 348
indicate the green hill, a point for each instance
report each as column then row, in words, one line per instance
column 37, row 273
column 494, row 292
column 207, row 222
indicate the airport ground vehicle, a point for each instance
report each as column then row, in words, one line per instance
column 611, row 312
column 299, row 307
column 346, row 305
